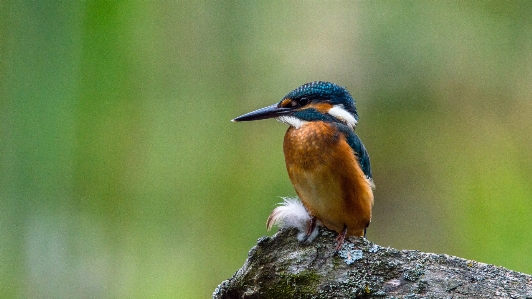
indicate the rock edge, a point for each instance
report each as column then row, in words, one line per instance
column 281, row 267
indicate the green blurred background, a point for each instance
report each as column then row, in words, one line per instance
column 121, row 175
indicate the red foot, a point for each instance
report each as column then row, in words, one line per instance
column 340, row 240
column 311, row 226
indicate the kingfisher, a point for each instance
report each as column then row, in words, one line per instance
column 326, row 161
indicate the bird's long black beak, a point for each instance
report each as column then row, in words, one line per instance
column 263, row 113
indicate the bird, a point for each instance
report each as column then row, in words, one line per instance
column 327, row 163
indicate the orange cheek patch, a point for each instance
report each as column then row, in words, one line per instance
column 321, row 107
column 286, row 103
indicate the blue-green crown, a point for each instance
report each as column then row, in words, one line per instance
column 335, row 94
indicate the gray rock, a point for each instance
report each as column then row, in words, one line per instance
column 281, row 267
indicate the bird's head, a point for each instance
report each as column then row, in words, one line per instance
column 315, row 101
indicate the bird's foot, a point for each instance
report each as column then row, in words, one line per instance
column 340, row 240
column 311, row 226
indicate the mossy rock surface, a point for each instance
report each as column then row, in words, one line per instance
column 281, row 267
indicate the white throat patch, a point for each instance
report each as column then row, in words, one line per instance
column 292, row 121
column 339, row 112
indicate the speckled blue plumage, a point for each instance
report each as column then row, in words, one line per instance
column 336, row 94
column 358, row 147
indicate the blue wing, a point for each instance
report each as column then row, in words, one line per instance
column 358, row 147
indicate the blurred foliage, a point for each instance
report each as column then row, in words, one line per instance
column 122, row 177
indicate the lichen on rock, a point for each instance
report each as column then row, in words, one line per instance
column 282, row 267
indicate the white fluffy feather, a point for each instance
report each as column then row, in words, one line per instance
column 339, row 112
column 292, row 213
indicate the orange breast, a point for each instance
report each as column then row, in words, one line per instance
column 327, row 177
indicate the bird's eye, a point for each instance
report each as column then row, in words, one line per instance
column 303, row 101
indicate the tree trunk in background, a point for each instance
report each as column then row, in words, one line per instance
column 280, row 267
